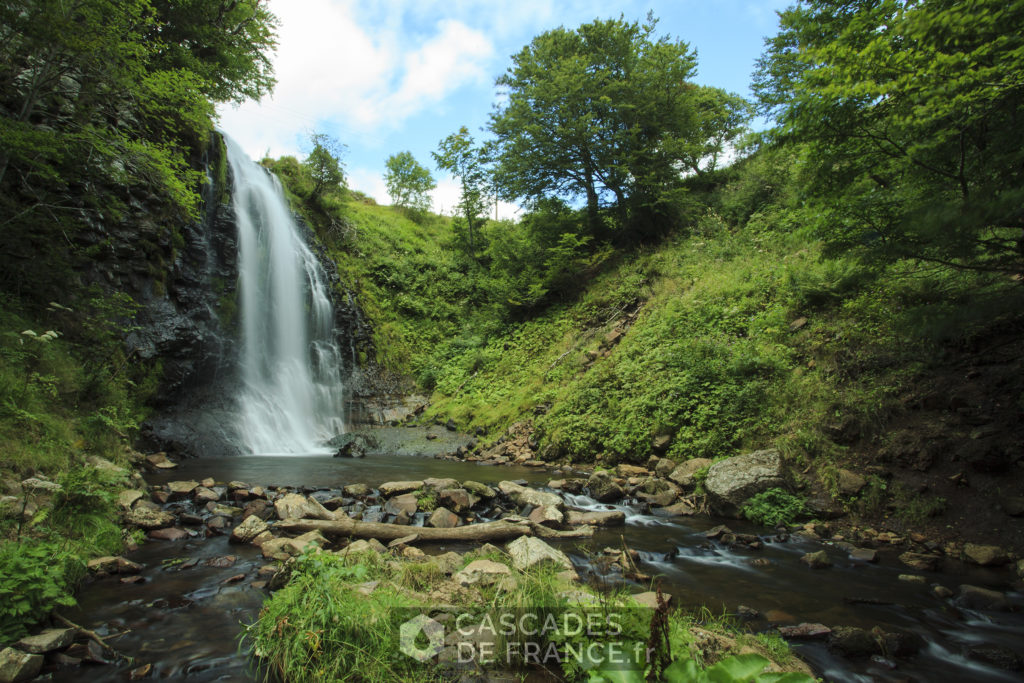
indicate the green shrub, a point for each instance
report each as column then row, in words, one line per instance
column 35, row 578
column 774, row 507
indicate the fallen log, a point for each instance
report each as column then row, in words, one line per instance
column 484, row 532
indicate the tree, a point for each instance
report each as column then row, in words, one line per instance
column 324, row 163
column 911, row 112
column 458, row 155
column 606, row 113
column 409, row 184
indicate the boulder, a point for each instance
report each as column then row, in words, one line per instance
column 160, row 461
column 145, row 518
column 406, row 503
column 363, row 546
column 864, row 555
column 603, row 488
column 853, row 642
column 110, row 564
column 664, row 467
column 482, row 573
column 167, row 534
column 523, row 495
column 850, row 483
column 632, row 471
column 296, row 546
column 203, row 495
column 649, row 599
column 817, row 560
column 985, row 555
column 180, row 490
column 443, row 518
column 128, row 497
column 661, row 443
column 683, row 474
column 805, row 631
column 732, row 481
column 49, row 640
column 440, row 484
column 976, row 597
column 920, row 561
column 527, row 552
column 546, row 515
column 459, row 500
column 356, row 490
column 16, row 666
column 251, row 527
column 294, row 506
column 479, row 489
column 393, row 488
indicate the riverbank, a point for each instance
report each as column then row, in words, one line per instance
column 197, row 578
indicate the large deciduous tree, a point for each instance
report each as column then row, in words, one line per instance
column 408, row 183
column 912, row 111
column 606, row 113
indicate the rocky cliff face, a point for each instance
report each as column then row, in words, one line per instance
column 184, row 280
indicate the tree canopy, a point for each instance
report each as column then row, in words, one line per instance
column 324, row 163
column 607, row 113
column 459, row 155
column 409, row 184
column 911, row 112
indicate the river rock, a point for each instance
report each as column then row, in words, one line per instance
column 976, row 597
column 817, row 560
column 603, row 488
column 392, row 488
column 479, row 489
column 632, row 471
column 864, row 555
column 49, row 640
column 16, row 666
column 1013, row 506
column 527, row 496
column 356, row 490
column 363, row 546
column 168, row 534
column 662, row 467
column 203, row 495
column 160, row 461
column 180, row 490
column 850, row 483
column 110, row 564
column 920, row 561
column 273, row 549
column 128, row 497
column 732, row 481
column 144, row 518
column 546, row 515
column 482, row 573
column 258, row 508
column 805, row 631
column 527, row 552
column 443, row 518
column 440, row 484
column 294, row 506
column 853, row 642
column 683, row 474
column 596, row 518
column 296, row 546
column 406, row 503
column 999, row 657
column 251, row 527
column 985, row 555
column 459, row 500
column 681, row 509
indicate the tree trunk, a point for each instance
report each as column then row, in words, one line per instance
column 480, row 533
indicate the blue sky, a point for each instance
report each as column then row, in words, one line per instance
column 393, row 75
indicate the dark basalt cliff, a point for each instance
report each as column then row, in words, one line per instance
column 184, row 281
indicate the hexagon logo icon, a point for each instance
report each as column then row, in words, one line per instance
column 410, row 630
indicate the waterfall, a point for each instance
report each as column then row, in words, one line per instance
column 291, row 399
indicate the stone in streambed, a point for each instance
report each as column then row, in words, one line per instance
column 167, row 534
column 203, row 495
column 459, row 500
column 805, row 631
column 113, row 565
column 817, row 560
column 406, row 504
column 976, row 597
column 295, row 506
column 864, row 555
column 985, row 555
column 920, row 562
column 392, row 488
column 604, row 489
column 16, row 666
column 528, row 552
column 523, row 495
column 443, row 518
column 145, row 518
column 180, row 490
column 732, row 481
column 49, row 640
column 479, row 489
column 250, row 528
column 356, row 490
column 546, row 515
column 684, row 473
column 127, row 498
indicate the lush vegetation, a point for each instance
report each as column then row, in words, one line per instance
column 340, row 618
column 105, row 110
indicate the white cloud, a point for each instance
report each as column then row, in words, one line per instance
column 357, row 78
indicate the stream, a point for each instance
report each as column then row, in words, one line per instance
column 184, row 618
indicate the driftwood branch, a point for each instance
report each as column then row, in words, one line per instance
column 482, row 533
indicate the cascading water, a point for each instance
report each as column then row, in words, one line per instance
column 291, row 400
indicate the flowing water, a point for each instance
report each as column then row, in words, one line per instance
column 292, row 399
column 186, row 621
